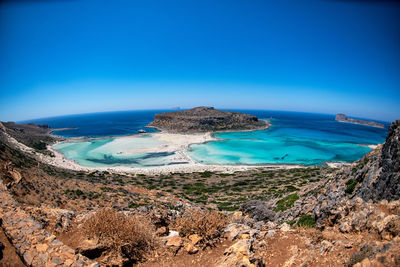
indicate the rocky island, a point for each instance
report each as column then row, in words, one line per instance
column 206, row 119
column 343, row 118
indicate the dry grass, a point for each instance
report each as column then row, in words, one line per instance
column 131, row 236
column 207, row 224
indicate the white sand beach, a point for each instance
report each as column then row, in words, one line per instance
column 167, row 142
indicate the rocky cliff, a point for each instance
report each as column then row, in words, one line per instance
column 347, row 200
column 344, row 118
column 206, row 119
column 380, row 174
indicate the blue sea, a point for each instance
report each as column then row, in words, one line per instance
column 293, row 138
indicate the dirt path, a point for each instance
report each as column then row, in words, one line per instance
column 10, row 257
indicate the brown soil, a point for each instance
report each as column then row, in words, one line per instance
column 207, row 257
column 10, row 257
column 303, row 246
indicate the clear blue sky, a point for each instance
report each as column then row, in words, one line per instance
column 325, row 56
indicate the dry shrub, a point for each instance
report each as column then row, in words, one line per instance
column 132, row 236
column 205, row 223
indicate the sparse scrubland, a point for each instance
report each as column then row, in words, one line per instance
column 311, row 216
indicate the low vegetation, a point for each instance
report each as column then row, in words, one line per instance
column 134, row 234
column 207, row 224
column 306, row 221
column 286, row 202
column 351, row 185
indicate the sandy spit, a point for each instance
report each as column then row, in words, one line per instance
column 174, row 142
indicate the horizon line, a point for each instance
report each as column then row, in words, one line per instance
column 174, row 109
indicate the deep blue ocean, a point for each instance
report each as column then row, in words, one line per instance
column 293, row 138
column 101, row 124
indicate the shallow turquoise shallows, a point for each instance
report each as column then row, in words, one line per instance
column 107, row 152
column 294, row 138
column 307, row 141
column 274, row 150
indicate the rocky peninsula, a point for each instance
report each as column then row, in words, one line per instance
column 343, row 118
column 206, row 119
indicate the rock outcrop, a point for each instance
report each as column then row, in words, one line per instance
column 206, row 119
column 373, row 179
column 380, row 174
column 344, row 118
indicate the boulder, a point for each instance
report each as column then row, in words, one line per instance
column 195, row 239
column 191, row 249
column 174, row 241
column 286, row 227
column 235, row 230
column 162, row 231
column 239, row 254
column 258, row 210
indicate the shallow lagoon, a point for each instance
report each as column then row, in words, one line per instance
column 258, row 149
column 115, row 152
column 294, row 138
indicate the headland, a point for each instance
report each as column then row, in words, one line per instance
column 343, row 118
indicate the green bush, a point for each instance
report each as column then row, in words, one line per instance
column 286, row 202
column 351, row 184
column 39, row 146
column 291, row 223
column 307, row 221
column 206, row 174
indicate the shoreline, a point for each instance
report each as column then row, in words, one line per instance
column 183, row 162
column 265, row 127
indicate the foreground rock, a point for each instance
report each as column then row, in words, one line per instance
column 35, row 246
column 206, row 119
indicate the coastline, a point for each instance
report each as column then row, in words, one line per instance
column 178, row 143
column 61, row 129
column 363, row 124
column 266, row 126
column 191, row 166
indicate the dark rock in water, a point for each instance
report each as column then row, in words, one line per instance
column 344, row 118
column 206, row 119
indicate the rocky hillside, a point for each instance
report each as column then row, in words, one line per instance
column 32, row 135
column 297, row 217
column 206, row 119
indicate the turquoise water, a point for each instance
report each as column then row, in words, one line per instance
column 265, row 148
column 115, row 152
column 307, row 140
column 294, row 138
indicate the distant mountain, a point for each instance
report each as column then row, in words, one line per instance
column 206, row 119
column 343, row 118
